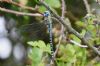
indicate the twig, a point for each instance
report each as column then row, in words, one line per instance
column 76, row 43
column 18, row 4
column 62, row 28
column 87, row 6
column 58, row 45
column 63, row 8
column 22, row 6
column 70, row 29
column 19, row 13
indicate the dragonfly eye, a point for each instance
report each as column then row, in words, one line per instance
column 46, row 13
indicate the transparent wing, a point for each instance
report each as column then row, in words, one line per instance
column 34, row 27
column 34, row 31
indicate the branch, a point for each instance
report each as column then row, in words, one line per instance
column 60, row 38
column 62, row 28
column 76, row 43
column 87, row 6
column 19, row 13
column 70, row 29
column 20, row 5
column 63, row 8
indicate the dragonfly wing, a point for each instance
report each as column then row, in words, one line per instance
column 34, row 31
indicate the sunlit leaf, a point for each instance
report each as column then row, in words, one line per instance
column 70, row 50
column 83, row 32
column 47, row 49
column 40, row 44
column 90, row 27
column 75, row 38
column 31, row 43
column 42, row 9
column 53, row 3
column 80, row 24
column 36, row 56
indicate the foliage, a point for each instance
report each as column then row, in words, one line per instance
column 68, row 53
column 39, row 48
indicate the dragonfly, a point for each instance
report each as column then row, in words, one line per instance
column 48, row 19
column 38, row 28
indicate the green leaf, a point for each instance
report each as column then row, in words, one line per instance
column 42, row 9
column 75, row 38
column 70, row 50
column 83, row 32
column 90, row 27
column 34, row 44
column 36, row 56
column 47, row 49
column 40, row 44
column 53, row 3
column 30, row 43
column 80, row 24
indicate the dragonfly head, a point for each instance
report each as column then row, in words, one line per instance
column 46, row 14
